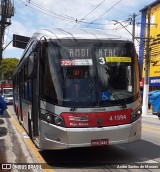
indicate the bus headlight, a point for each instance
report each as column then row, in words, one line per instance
column 136, row 114
column 59, row 121
column 53, row 119
column 48, row 118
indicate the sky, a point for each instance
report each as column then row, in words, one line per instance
column 33, row 15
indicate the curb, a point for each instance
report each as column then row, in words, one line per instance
column 29, row 144
column 150, row 115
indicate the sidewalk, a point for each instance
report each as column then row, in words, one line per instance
column 150, row 115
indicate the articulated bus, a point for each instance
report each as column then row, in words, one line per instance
column 78, row 88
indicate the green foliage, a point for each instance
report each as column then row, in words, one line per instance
column 7, row 67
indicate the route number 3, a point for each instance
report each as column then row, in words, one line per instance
column 101, row 60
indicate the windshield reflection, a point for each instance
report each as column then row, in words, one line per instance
column 88, row 74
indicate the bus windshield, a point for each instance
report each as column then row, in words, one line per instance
column 89, row 73
column 7, row 90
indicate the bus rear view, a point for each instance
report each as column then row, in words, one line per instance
column 88, row 92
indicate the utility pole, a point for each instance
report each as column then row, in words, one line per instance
column 6, row 12
column 147, row 68
column 132, row 21
column 133, row 28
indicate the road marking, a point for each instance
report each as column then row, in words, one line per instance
column 153, row 131
column 31, row 147
column 146, row 160
column 150, row 127
column 19, row 128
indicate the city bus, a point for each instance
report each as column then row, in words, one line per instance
column 78, row 88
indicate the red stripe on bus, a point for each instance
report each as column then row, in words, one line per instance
column 97, row 119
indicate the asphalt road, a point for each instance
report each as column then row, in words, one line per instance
column 121, row 157
column 146, row 150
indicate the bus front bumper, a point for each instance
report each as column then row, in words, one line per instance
column 54, row 137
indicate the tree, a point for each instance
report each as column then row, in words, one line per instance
column 7, row 68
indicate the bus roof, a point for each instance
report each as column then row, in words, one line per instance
column 73, row 34
column 78, row 34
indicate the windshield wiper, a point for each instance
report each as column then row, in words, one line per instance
column 82, row 96
column 122, row 103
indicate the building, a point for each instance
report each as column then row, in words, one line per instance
column 154, row 79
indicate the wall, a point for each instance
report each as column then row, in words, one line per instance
column 154, row 79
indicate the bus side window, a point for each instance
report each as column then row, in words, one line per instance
column 30, row 91
column 32, row 65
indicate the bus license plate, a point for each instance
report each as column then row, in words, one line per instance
column 99, row 142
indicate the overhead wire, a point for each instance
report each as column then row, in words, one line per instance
column 23, row 2
column 59, row 16
column 124, row 26
column 53, row 14
column 91, row 12
column 36, row 6
column 48, row 12
column 104, row 13
column 66, row 17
